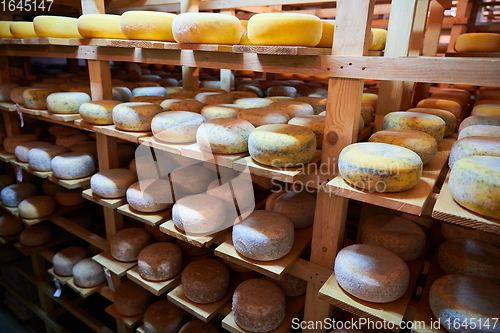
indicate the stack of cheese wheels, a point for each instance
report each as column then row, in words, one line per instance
column 150, row 195
column 480, row 176
column 64, row 260
column 452, row 106
column 205, row 281
column 130, row 299
column 293, row 108
column 149, row 91
column 198, row 326
column 427, row 123
column 10, row 143
column 160, row 261
column 480, row 130
column 247, row 103
column 100, row 26
column 135, row 116
column 474, row 146
column 486, row 110
column 98, row 112
column 298, row 207
column 224, row 135
column 314, row 123
column 291, row 285
column 66, row 102
column 371, row 273
column 56, row 26
column 220, row 111
column 36, row 98
column 21, row 150
column 478, row 42
column 73, row 165
column 35, row 235
column 112, row 183
column 191, row 179
column 419, row 142
column 474, row 120
column 199, row 214
column 380, row 167
column 258, row 305
column 263, row 116
column 449, row 118
column 255, row 238
column 10, row 225
column 176, row 126
column 206, row 28
column 231, row 190
column 147, row 25
column 186, row 104
column 23, row 30
column 67, row 197
column 127, row 243
column 87, row 273
column 40, row 158
column 12, row 195
column 37, row 207
column 163, row 316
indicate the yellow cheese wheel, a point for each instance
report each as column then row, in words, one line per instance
column 5, row 29
column 66, row 102
column 98, row 112
column 289, row 29
column 486, row 110
column 327, row 33
column 190, row 105
column 379, row 37
column 56, row 26
column 443, row 104
column 314, row 123
column 224, row 135
column 448, row 117
column 428, row 123
column 36, row 98
column 135, row 116
column 475, row 120
column 23, row 30
column 293, row 108
column 220, row 111
column 147, row 25
column 100, row 26
column 458, row 94
column 370, row 99
column 207, row 28
column 478, row 42
column 244, row 33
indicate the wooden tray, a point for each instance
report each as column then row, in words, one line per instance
column 156, row 288
column 153, row 219
column 107, row 261
column 194, row 151
column 109, row 203
column 200, row 241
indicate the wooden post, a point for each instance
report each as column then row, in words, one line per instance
column 226, row 79
column 190, row 75
column 464, row 10
column 341, row 128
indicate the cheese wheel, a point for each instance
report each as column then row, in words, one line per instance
column 163, row 317
column 199, row 214
column 5, row 29
column 460, row 94
column 208, row 98
column 474, row 120
column 16, row 94
column 98, row 112
column 127, row 243
column 293, row 108
column 182, row 105
column 56, row 26
column 100, row 26
column 233, row 191
column 255, row 238
column 169, row 82
column 21, row 150
column 121, row 94
column 249, row 88
column 318, row 103
column 427, row 123
column 87, row 273
column 247, row 103
column 73, row 165
column 291, row 285
column 64, row 260
column 6, row 180
column 149, row 99
column 489, row 95
column 68, row 141
column 327, row 33
column 298, row 207
column 243, row 94
column 198, row 326
column 258, row 305
column 224, row 135
column 50, row 188
column 454, row 231
column 370, row 99
column 191, row 179
column 112, row 183
column 10, row 225
column 36, row 98
column 442, row 104
column 419, row 142
column 480, row 175
column 220, row 111
column 150, row 195
column 282, row 91
column 10, row 143
column 23, row 30
column 263, row 116
column 135, row 116
column 367, row 113
column 449, row 118
column 176, row 126
column 206, row 28
column 478, row 42
column 181, row 95
column 205, row 281
column 147, row 25
column 380, row 167
column 464, row 299
column 149, row 91
column 35, row 235
column 12, row 195
column 160, row 261
column 474, row 146
column 480, row 102
column 314, row 123
column 37, row 207
column 379, row 37
column 130, row 299
column 371, row 273
column 66, row 197
column 486, row 110
column 244, row 33
column 480, row 130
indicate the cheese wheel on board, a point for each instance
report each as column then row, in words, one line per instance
column 198, row 326
column 476, row 120
column 23, row 30
column 37, row 207
column 263, row 116
column 208, row 98
column 56, row 26
column 371, row 273
column 474, row 146
column 159, row 261
column 36, row 98
column 181, row 95
column 191, row 179
column 480, row 175
column 224, row 135
column 220, row 111
column 327, row 32
column 460, row 94
column 68, row 141
column 150, row 195
column 454, row 231
column 233, row 191
column 10, row 225
column 121, row 94
column 67, row 197
column 247, row 103
column 487, row 110
column 112, row 183
column 127, row 243
column 147, row 25
column 253, row 88
column 367, row 113
column 10, row 143
column 16, row 94
column 163, row 317
column 12, row 195
column 293, row 108
column 314, row 123
column 21, row 150
column 130, row 299
column 205, row 281
column 5, row 29
column 73, row 165
column 457, row 298
column 87, row 273
column 419, row 142
column 449, row 118
column 199, row 214
column 206, row 28
column 291, row 285
column 379, row 37
column 489, row 94
column 64, row 260
column 244, row 33
column 98, row 112
column 427, row 123
column 258, row 305
column 442, row 104
column 35, row 235
column 100, row 26
column 298, row 207
column 169, row 82
column 176, row 126
column 191, row 105
column 149, row 91
column 380, row 167
column 478, row 42
column 135, row 116
column 370, row 99
column 318, row 103
column 480, row 130
column 148, row 99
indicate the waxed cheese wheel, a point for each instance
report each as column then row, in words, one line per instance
column 314, row 123
column 191, row 179
column 476, row 120
column 127, row 243
column 130, row 299
column 150, row 195
column 419, row 142
column 199, row 214
column 100, row 26
column 281, row 145
column 258, row 305
column 66, row 102
column 67, row 197
column 487, row 110
column 394, row 233
column 10, row 225
column 264, row 116
column 327, row 33
column 293, row 108
column 5, row 29
column 68, row 141
column 198, row 326
column 478, row 42
column 480, row 176
column 470, row 257
column 191, row 105
column 135, row 116
column 208, row 98
column 224, row 135
column 64, row 260
column 474, row 146
column 296, row 206
column 16, row 94
column 87, row 273
column 160, row 261
column 21, row 150
column 231, row 190
column 37, row 207
column 379, row 38
column 220, row 111
column 112, row 183
column 255, row 238
column 291, row 285
column 442, row 104
column 149, row 91
column 56, row 26
column 12, row 195
column 98, row 112
column 205, row 281
column 36, row 98
column 206, row 28
column 371, row 273
column 467, row 300
column 73, row 165
column 35, row 235
column 247, row 103
column 480, row 130
column 454, row 231
column 448, row 117
column 163, row 317
column 23, row 30
column 427, row 123
column 147, row 25
column 10, row 143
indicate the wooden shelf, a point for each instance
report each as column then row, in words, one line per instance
column 109, row 203
column 84, row 292
column 174, row 148
column 25, row 166
column 110, row 130
column 80, row 123
column 294, row 306
column 411, row 201
column 129, row 321
column 72, row 184
column 473, row 54
column 62, row 279
column 107, row 261
column 68, row 117
column 194, row 151
column 6, row 106
column 447, row 209
column 153, row 219
column 276, row 268
column 200, row 241
column 156, row 288
column 33, row 112
column 6, row 157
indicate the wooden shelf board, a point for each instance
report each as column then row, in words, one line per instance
column 109, row 203
column 473, row 54
column 448, row 210
column 293, row 307
column 129, row 321
column 194, row 151
column 58, row 237
column 200, row 241
column 174, row 148
column 29, row 111
column 67, row 117
column 107, row 261
column 153, row 219
column 156, row 288
column 62, row 279
column 6, row 157
column 72, row 184
column 127, row 136
column 6, row 106
column 287, row 175
column 25, row 166
column 281, row 50
column 276, row 268
column 411, row 201
column 12, row 210
column 84, row 292
column 85, row 125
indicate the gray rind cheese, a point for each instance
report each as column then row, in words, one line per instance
column 112, row 183
column 163, row 317
column 21, row 151
column 12, row 195
column 131, row 299
column 205, row 281
column 87, row 273
column 150, row 195
column 37, row 207
column 199, row 214
column 10, row 143
column 40, row 158
column 292, row 286
column 127, row 243
column 474, row 146
column 160, row 261
column 64, row 260
column 73, row 165
column 296, row 206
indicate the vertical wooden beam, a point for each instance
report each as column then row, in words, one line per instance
column 93, row 7
column 226, row 79
column 464, row 10
column 190, row 75
column 100, row 80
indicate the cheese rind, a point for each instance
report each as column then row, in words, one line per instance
column 474, row 146
column 37, row 207
column 327, row 33
column 220, row 111
column 73, row 165
column 293, row 108
column 205, row 281
column 208, row 98
column 23, row 30
column 487, row 110
column 130, row 299
column 442, row 104
column 149, row 91
column 87, row 273
column 112, row 183
column 66, row 102
column 39, row 159
column 100, row 26
column 297, row 206
column 199, row 214
column 10, row 143
column 135, row 116
column 247, row 103
column 5, row 29
column 475, row 120
column 448, row 117
column 314, row 123
column 64, row 260
column 427, row 123
column 147, row 25
column 176, row 126
column 478, row 42
column 263, row 116
column 480, row 130
column 187, row 104
column 224, row 135
column 206, row 28
column 98, row 112
column 163, row 317
column 151, row 195
column 56, row 26
column 160, row 261
column 127, row 243
column 379, row 37
column 36, row 98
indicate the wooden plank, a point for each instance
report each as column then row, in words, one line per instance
column 84, row 292
column 119, row 268
column 200, row 241
column 6, row 157
column 85, row 125
column 153, row 219
column 174, row 148
column 62, row 279
column 140, row 329
column 109, row 203
column 32, row 112
column 281, row 50
column 474, row 54
column 447, row 209
column 276, row 268
column 411, row 201
column 83, row 233
column 127, row 136
column 155, row 287
column 129, row 321
column 27, row 168
column 194, row 151
column 72, row 184
column 61, row 117
column 6, row 106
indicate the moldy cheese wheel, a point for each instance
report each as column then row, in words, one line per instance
column 87, row 273
column 147, row 25
column 100, row 26
column 36, row 98
column 56, row 26
column 23, row 30
column 206, row 28
column 478, row 42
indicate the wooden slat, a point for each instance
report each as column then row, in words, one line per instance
column 281, row 50
column 62, row 279
column 153, row 219
column 173, row 148
column 119, row 268
column 72, row 184
column 109, row 203
column 474, row 54
column 200, row 241
column 27, row 168
column 60, row 117
column 6, row 106
column 84, row 292
column 6, row 157
column 155, row 287
column 194, row 151
column 127, row 136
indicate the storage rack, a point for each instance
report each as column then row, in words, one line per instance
column 411, row 34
